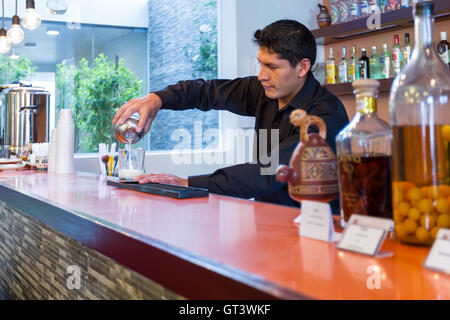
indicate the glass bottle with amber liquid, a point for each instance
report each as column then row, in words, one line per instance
column 364, row 151
column 420, row 115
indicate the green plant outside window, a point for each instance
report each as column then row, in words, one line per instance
column 94, row 93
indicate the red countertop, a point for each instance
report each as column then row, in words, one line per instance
column 253, row 243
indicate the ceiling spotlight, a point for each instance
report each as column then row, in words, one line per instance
column 52, row 32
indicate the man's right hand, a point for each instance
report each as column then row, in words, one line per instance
column 147, row 107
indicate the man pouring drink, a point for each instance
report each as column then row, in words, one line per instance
column 286, row 53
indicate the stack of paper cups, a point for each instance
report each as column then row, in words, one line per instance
column 65, row 142
column 52, row 152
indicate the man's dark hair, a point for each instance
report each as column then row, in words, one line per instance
column 290, row 39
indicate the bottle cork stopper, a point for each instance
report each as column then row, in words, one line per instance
column 366, row 87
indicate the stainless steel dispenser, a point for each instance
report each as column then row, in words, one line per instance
column 24, row 118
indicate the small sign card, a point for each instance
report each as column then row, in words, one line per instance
column 316, row 221
column 365, row 234
column 439, row 257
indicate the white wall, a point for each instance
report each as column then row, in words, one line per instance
column 241, row 18
column 125, row 13
column 238, row 20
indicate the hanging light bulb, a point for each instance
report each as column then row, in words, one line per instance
column 4, row 42
column 57, row 7
column 32, row 20
column 5, row 46
column 15, row 34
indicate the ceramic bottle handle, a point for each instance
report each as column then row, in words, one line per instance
column 300, row 119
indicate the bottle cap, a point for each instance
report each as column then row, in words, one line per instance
column 366, row 87
column 443, row 35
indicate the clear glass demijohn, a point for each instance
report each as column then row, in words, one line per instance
column 420, row 115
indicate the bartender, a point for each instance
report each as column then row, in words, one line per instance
column 286, row 52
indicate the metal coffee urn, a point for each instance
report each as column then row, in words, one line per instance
column 24, row 118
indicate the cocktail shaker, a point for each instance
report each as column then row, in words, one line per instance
column 126, row 132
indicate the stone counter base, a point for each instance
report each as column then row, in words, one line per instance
column 39, row 263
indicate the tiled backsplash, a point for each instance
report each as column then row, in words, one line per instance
column 39, row 263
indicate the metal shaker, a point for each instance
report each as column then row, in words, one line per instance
column 126, row 132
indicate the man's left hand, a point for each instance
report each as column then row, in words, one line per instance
column 163, row 178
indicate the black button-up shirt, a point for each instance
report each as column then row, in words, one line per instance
column 246, row 96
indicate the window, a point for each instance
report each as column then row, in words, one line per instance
column 94, row 69
column 70, row 61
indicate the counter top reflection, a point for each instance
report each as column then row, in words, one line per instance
column 216, row 247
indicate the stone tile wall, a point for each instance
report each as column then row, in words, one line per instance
column 35, row 260
column 174, row 25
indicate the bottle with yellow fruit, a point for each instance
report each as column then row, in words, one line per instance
column 420, row 117
column 419, row 212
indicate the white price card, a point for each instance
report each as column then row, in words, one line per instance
column 365, row 235
column 439, row 257
column 317, row 221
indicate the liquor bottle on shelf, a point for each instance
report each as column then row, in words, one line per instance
column 334, row 11
column 364, row 5
column 407, row 50
column 364, row 152
column 374, row 6
column 444, row 48
column 394, row 5
column 332, row 69
column 405, row 3
column 363, row 65
column 383, row 4
column 344, row 10
column 374, row 64
column 420, row 114
column 353, row 75
column 343, row 68
column 385, row 61
column 397, row 56
column 355, row 8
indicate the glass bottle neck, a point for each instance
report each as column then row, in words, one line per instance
column 423, row 29
column 366, row 105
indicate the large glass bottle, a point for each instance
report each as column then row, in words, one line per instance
column 364, row 150
column 420, row 115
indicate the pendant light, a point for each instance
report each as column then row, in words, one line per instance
column 32, row 20
column 57, row 7
column 15, row 34
column 4, row 42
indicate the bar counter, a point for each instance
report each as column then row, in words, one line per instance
column 207, row 248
